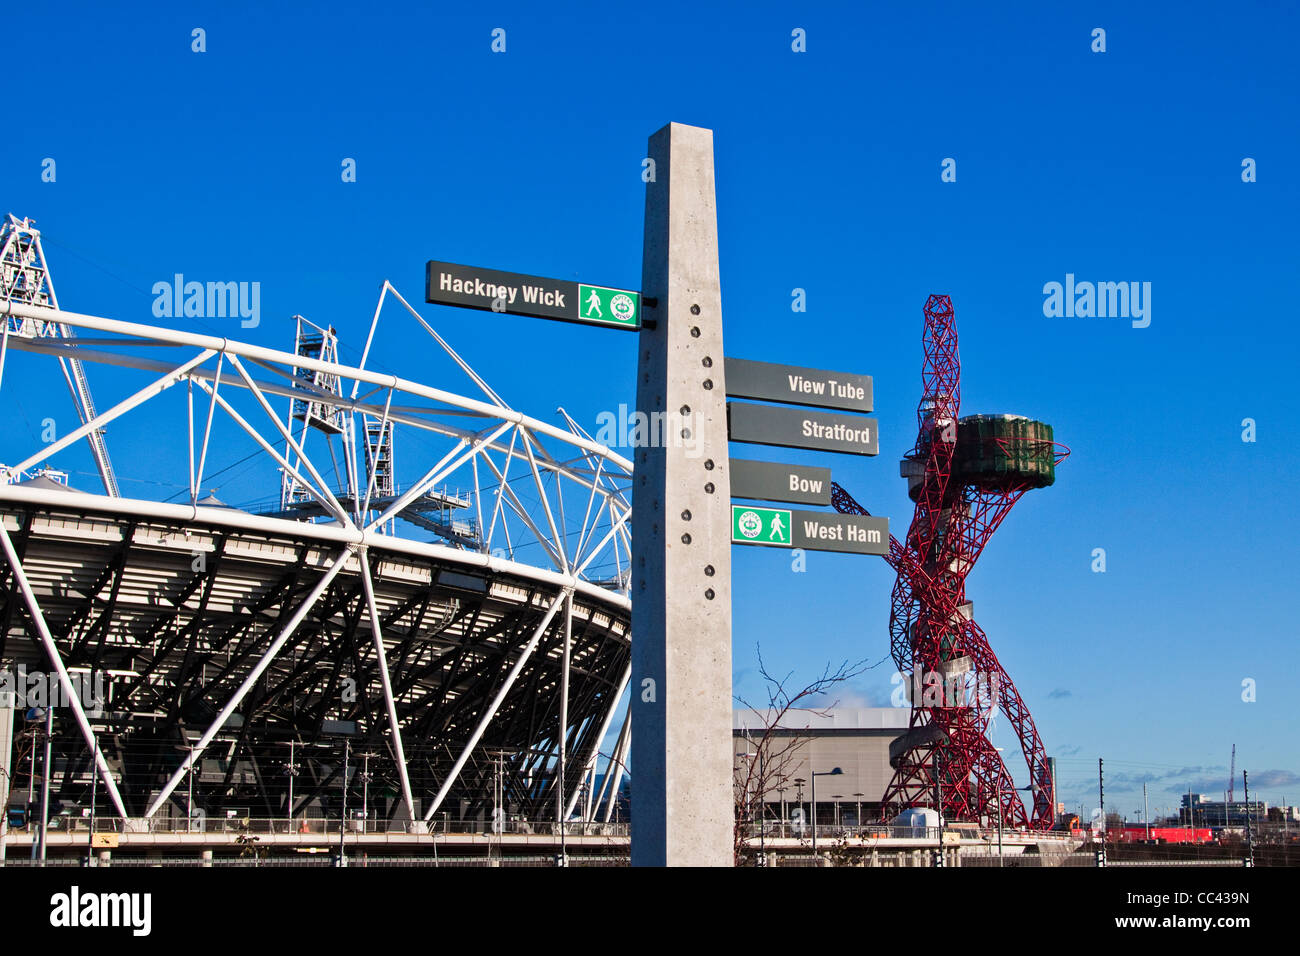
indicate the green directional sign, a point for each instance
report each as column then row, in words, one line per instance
column 514, row 293
column 769, row 526
column 609, row 306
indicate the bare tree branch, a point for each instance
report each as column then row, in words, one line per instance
column 771, row 756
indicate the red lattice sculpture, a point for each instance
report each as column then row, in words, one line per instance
column 964, row 475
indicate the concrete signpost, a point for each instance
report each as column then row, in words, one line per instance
column 681, row 645
column 682, row 802
column 683, row 520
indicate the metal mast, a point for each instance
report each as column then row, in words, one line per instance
column 319, row 412
column 25, row 280
column 1232, row 785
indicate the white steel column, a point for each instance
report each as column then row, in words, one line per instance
column 6, row 752
column 399, row 751
column 292, row 625
column 604, row 730
column 564, row 715
column 616, row 764
column 65, row 681
column 496, row 703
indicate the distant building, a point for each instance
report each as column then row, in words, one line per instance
column 1219, row 813
column 854, row 739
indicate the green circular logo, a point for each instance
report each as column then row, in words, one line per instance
column 623, row 307
column 750, row 524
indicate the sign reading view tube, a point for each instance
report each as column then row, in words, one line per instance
column 769, row 382
column 802, row 428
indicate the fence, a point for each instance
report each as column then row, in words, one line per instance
column 322, row 826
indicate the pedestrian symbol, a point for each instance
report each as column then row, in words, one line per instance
column 769, row 526
column 609, row 306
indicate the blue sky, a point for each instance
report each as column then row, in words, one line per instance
column 1115, row 166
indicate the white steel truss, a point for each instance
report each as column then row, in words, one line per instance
column 25, row 280
column 517, row 472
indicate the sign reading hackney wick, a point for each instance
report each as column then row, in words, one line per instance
column 470, row 287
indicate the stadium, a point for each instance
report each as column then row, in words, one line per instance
column 424, row 644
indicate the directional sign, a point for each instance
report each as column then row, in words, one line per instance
column 447, row 283
column 769, row 481
column 810, row 530
column 798, row 428
column 769, row 382
column 769, row 526
column 829, row 531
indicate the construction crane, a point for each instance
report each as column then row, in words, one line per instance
column 25, row 279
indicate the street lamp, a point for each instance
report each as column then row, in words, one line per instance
column 291, row 770
column 762, row 806
column 346, row 729
column 815, row 774
column 798, row 783
column 94, row 782
column 999, row 788
column 365, row 793
column 343, row 812
column 189, row 807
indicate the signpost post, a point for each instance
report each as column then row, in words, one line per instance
column 683, row 484
column 683, row 802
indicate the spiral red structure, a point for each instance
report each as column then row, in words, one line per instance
column 957, row 684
